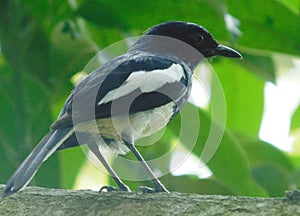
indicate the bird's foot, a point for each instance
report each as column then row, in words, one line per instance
column 111, row 189
column 145, row 189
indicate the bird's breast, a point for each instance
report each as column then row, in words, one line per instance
column 129, row 127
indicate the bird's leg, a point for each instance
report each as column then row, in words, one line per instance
column 122, row 187
column 158, row 186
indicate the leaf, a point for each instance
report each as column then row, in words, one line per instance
column 48, row 14
column 101, row 35
column 274, row 179
column 267, row 25
column 260, row 65
column 295, row 177
column 195, row 185
column 230, row 165
column 244, row 95
column 8, row 149
column 71, row 161
column 15, row 146
column 212, row 14
column 68, row 56
column 295, row 134
column 226, row 159
column 36, row 60
column 295, row 123
column 273, row 23
column 259, row 152
column 293, row 5
column 271, row 167
column 192, row 184
column 23, row 93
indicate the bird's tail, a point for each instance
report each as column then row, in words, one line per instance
column 40, row 153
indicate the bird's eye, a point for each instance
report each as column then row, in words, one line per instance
column 199, row 38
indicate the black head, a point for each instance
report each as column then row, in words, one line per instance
column 194, row 35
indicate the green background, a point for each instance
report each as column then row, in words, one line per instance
column 44, row 43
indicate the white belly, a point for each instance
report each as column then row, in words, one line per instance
column 130, row 127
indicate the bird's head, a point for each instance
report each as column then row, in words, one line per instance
column 194, row 35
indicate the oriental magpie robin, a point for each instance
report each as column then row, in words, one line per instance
column 129, row 97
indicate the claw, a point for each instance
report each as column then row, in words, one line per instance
column 145, row 189
column 111, row 188
column 108, row 189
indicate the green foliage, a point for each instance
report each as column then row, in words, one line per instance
column 296, row 119
column 267, row 25
column 43, row 44
column 242, row 89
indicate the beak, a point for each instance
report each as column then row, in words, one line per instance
column 225, row 51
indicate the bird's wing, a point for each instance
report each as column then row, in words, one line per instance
column 128, row 84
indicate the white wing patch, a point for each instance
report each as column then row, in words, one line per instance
column 146, row 81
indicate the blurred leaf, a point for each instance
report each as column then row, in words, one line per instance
column 24, row 97
column 71, row 161
column 267, row 25
column 244, row 94
column 295, row 123
column 268, row 163
column 295, row 177
column 36, row 60
column 273, row 21
column 274, row 179
column 35, row 103
column 295, row 134
column 259, row 152
column 103, row 36
column 192, row 184
column 49, row 175
column 137, row 16
column 8, row 149
column 48, row 13
column 36, row 98
column 99, row 12
column 293, row 5
column 260, row 65
column 68, row 55
column 229, row 163
column 295, row 159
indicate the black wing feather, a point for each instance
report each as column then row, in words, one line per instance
column 110, row 76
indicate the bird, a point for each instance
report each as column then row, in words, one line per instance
column 129, row 97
